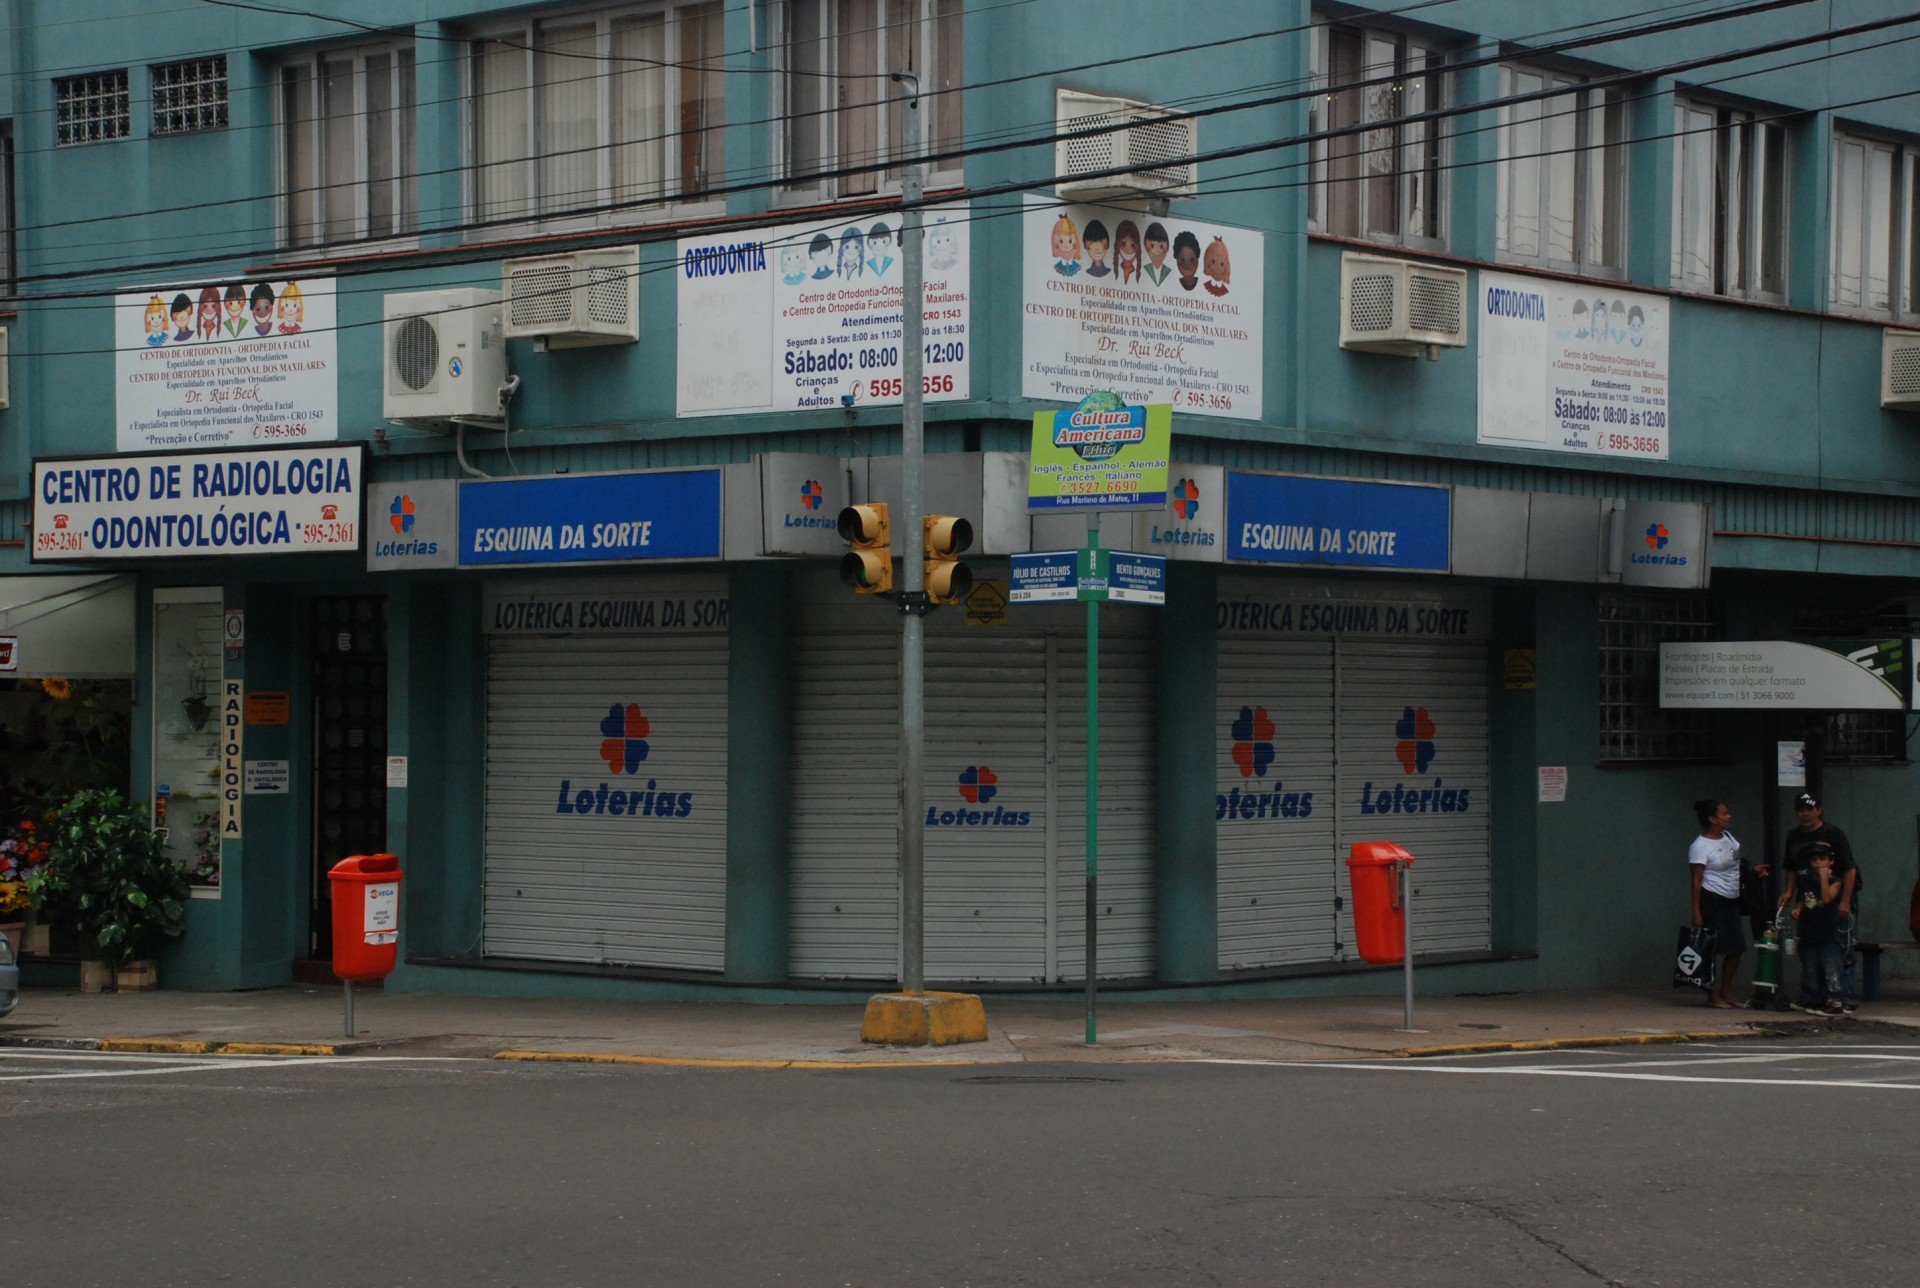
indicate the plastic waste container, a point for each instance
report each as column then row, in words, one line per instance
column 366, row 915
column 1379, row 917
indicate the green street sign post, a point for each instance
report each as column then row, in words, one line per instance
column 1102, row 454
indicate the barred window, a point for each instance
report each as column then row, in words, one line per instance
column 1859, row 737
column 90, row 109
column 190, row 95
column 1633, row 725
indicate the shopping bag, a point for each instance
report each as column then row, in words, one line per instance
column 1693, row 958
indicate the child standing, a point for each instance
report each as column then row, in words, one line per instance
column 1812, row 892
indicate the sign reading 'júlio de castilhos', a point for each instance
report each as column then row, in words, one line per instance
column 273, row 501
column 1100, row 455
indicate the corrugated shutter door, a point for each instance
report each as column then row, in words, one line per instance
column 1275, row 808
column 987, row 772
column 635, row 875
column 1127, row 803
column 1413, row 717
column 844, row 880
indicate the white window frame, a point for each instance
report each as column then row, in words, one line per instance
column 1566, row 156
column 1419, row 150
column 825, row 99
column 1720, row 139
column 1854, row 236
column 403, row 99
column 674, row 201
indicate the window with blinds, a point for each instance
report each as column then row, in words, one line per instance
column 598, row 112
column 347, row 145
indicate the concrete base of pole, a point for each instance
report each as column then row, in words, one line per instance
column 924, row 1019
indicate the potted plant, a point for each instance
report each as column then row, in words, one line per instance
column 22, row 851
column 108, row 875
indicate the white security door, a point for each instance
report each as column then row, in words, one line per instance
column 1274, row 808
column 1415, row 769
column 607, row 799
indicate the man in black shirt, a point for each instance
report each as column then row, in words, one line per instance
column 1797, row 851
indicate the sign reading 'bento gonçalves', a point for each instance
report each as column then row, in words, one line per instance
column 281, row 501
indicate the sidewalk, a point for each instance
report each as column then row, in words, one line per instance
column 310, row 1020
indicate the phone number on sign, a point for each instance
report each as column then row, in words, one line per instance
column 281, row 431
column 1201, row 398
column 1633, row 443
column 892, row 388
column 327, row 534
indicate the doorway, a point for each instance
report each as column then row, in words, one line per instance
column 349, row 687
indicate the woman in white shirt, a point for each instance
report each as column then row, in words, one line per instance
column 1714, row 861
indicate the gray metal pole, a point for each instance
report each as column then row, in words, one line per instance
column 913, row 715
column 349, row 984
column 1406, row 925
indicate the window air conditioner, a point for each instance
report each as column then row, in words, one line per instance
column 1900, row 370
column 1153, row 152
column 445, row 357
column 1400, row 306
column 587, row 297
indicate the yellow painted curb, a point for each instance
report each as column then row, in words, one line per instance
column 1570, row 1044
column 278, row 1048
column 701, row 1062
column 161, row 1046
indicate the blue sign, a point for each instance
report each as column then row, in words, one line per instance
column 1050, row 577
column 1285, row 519
column 1137, row 579
column 591, row 518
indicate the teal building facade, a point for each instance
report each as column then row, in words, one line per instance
column 1503, row 349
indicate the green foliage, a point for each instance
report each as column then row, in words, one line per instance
column 109, row 876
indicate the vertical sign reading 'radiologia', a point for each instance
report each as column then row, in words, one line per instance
column 234, row 363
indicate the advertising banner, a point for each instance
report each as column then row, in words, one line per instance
column 1572, row 368
column 303, row 500
column 800, row 316
column 1833, row 675
column 669, row 605
column 1297, row 608
column 591, row 518
column 1289, row 519
column 1163, row 310
column 1101, row 455
column 236, row 363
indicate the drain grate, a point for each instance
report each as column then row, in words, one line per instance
column 1480, row 1026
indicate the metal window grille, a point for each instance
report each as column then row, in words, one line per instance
column 90, row 108
column 190, row 95
column 1633, row 726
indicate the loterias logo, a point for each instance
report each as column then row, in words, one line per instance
column 1184, row 501
column 812, row 496
column 402, row 514
column 624, row 731
column 1657, row 537
column 1415, row 741
column 1251, row 734
column 978, row 785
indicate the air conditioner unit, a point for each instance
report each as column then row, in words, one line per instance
column 1400, row 306
column 445, row 357
column 586, row 297
column 1900, row 370
column 1154, row 152
column 6, row 378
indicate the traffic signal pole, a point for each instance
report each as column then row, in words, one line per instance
column 913, row 711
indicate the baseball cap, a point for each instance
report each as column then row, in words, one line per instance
column 1804, row 801
column 1823, row 847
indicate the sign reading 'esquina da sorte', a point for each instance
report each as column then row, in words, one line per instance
column 271, row 501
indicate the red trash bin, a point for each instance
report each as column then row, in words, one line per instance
column 366, row 915
column 1379, row 918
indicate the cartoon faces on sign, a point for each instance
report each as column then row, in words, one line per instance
column 1126, row 251
column 1219, row 271
column 1066, row 246
column 1186, row 257
column 1095, row 242
column 260, row 304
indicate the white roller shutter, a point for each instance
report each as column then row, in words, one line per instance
column 1274, row 809
column 1415, row 767
column 607, row 799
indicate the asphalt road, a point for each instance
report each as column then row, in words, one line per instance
column 1747, row 1163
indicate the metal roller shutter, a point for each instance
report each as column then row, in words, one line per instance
column 1278, row 872
column 607, row 799
column 1415, row 768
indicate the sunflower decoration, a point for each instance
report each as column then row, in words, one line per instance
column 57, row 689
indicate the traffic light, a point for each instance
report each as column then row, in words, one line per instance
column 947, row 538
column 868, row 567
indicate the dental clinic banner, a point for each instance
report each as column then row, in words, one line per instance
column 807, row 316
column 235, row 363
column 1568, row 368
column 1157, row 310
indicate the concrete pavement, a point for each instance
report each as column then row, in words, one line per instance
column 309, row 1019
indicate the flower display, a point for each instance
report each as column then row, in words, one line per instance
column 22, row 851
column 57, row 689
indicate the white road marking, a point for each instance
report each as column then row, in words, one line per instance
column 1545, row 1071
column 150, row 1065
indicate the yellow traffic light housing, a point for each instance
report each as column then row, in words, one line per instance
column 868, row 567
column 946, row 538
